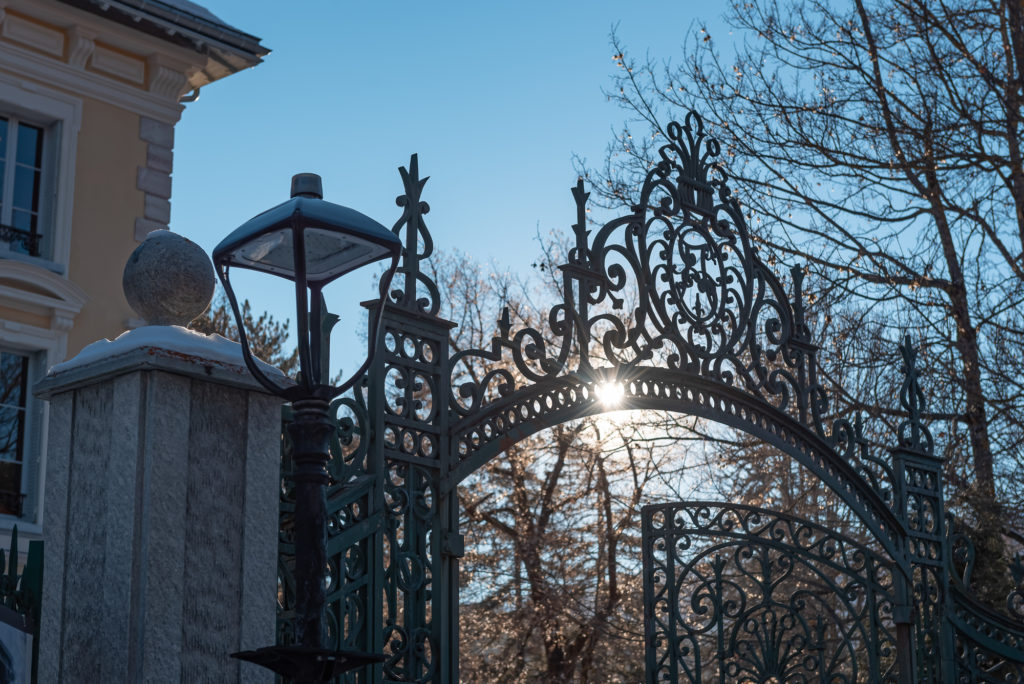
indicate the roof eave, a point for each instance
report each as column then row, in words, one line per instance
column 226, row 44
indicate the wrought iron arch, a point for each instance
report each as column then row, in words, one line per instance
column 551, row 402
column 712, row 334
column 672, row 301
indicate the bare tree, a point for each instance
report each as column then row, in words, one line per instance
column 879, row 144
column 551, row 583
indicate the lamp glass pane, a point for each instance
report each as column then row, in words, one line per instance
column 329, row 254
column 271, row 252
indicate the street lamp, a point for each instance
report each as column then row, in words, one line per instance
column 310, row 242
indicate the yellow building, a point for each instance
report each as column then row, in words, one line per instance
column 90, row 91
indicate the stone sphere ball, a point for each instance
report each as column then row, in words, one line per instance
column 168, row 279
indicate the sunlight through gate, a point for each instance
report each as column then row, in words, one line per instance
column 732, row 593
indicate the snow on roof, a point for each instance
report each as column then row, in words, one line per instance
column 182, row 20
column 197, row 11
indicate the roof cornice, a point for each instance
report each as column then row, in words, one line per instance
column 152, row 62
column 167, row 21
column 228, row 50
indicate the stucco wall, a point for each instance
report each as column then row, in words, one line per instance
column 106, row 204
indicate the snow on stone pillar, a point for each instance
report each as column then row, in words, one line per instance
column 162, row 478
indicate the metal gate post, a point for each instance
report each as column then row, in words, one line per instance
column 903, row 616
column 920, row 506
column 416, row 605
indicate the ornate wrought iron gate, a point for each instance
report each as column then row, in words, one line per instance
column 742, row 594
column 711, row 333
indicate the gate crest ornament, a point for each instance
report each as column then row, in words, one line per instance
column 703, row 302
column 672, row 302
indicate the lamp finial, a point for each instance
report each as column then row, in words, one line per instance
column 307, row 185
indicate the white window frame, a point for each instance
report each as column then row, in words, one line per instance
column 39, row 291
column 33, row 461
column 32, row 408
column 46, row 293
column 47, row 178
column 60, row 116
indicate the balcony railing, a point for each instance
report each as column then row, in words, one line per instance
column 12, row 503
column 23, row 241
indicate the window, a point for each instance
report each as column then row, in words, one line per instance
column 21, row 169
column 14, row 396
column 26, row 351
column 38, row 145
column 21, row 180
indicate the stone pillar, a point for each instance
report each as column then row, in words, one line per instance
column 160, row 519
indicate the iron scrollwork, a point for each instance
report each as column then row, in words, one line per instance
column 671, row 301
column 347, row 551
column 742, row 594
column 703, row 302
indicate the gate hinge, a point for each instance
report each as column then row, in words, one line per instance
column 453, row 544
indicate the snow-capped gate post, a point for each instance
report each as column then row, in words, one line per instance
column 161, row 505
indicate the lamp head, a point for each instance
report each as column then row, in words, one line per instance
column 307, row 238
column 310, row 242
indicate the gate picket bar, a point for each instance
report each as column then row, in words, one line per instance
column 768, row 597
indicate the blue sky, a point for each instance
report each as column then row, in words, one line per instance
column 494, row 97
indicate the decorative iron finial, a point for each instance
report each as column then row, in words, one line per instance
column 913, row 434
column 580, row 254
column 504, row 324
column 694, row 153
column 415, row 233
column 802, row 332
column 858, row 436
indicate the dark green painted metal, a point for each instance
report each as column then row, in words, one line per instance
column 22, row 591
column 738, row 593
column 714, row 334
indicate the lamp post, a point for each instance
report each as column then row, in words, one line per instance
column 310, row 242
